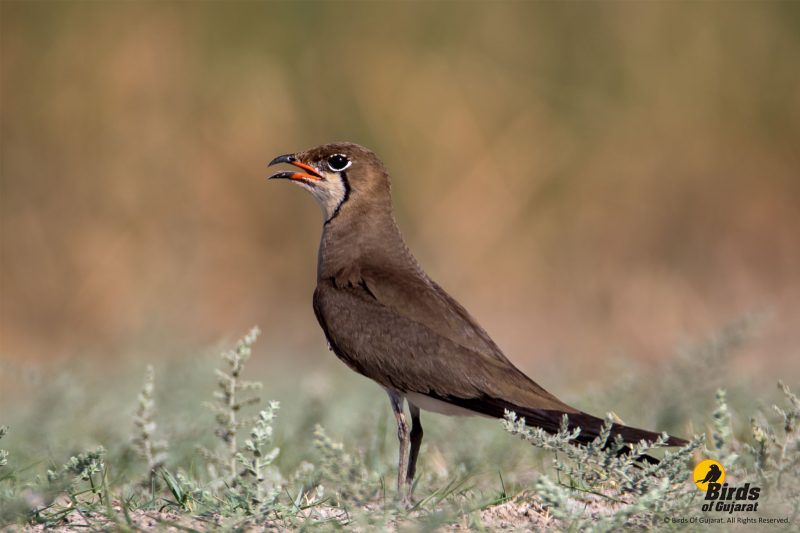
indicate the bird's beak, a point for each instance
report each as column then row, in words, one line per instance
column 310, row 173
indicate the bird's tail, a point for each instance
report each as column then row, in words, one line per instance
column 590, row 426
column 550, row 421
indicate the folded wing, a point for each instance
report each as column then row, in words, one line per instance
column 411, row 336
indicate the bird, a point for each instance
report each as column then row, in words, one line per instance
column 712, row 476
column 386, row 319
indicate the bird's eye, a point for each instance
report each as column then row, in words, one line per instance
column 338, row 162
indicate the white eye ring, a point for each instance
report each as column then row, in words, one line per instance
column 328, row 162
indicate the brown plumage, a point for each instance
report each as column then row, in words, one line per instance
column 387, row 320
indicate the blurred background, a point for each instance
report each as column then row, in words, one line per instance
column 592, row 181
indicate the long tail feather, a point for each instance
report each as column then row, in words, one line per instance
column 550, row 421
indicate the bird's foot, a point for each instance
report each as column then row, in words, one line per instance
column 404, row 500
column 407, row 499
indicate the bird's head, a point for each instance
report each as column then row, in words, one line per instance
column 338, row 175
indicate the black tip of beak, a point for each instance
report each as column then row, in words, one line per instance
column 286, row 175
column 287, row 158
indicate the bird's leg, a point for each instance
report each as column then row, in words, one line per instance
column 416, row 440
column 402, row 435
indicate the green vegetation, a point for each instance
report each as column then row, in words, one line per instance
column 242, row 466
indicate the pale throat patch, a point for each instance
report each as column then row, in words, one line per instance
column 329, row 193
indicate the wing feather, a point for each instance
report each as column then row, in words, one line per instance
column 389, row 344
